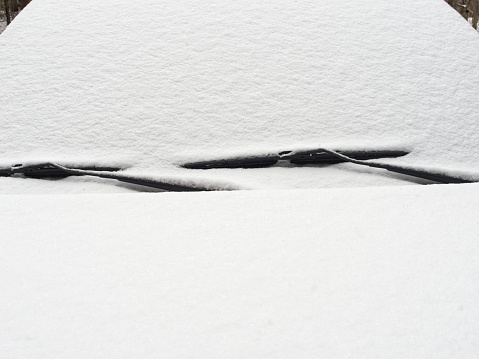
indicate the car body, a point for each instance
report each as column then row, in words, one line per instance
column 285, row 261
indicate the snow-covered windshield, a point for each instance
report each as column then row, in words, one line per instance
column 151, row 85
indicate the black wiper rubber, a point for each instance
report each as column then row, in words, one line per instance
column 322, row 157
column 51, row 170
column 428, row 175
column 246, row 162
column 325, row 156
column 317, row 156
column 43, row 170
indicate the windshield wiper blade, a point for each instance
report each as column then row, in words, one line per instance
column 48, row 169
column 326, row 156
column 414, row 172
column 320, row 156
column 42, row 170
column 316, row 156
column 244, row 162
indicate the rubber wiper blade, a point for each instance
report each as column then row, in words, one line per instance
column 42, row 170
column 319, row 156
column 316, row 156
column 242, row 162
column 414, row 172
column 48, row 169
column 326, row 156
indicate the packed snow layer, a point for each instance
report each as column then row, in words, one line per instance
column 156, row 83
column 363, row 273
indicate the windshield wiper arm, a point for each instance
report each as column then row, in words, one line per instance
column 326, row 156
column 420, row 173
column 316, row 156
column 49, row 169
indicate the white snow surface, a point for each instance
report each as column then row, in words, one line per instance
column 332, row 273
column 156, row 83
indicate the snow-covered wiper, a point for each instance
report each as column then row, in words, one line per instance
column 45, row 170
column 317, row 156
column 327, row 156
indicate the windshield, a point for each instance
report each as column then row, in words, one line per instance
column 219, row 80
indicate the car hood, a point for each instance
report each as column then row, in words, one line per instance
column 308, row 273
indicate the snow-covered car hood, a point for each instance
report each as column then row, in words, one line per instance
column 338, row 273
column 153, row 84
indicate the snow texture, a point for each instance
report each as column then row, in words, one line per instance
column 156, row 83
column 333, row 273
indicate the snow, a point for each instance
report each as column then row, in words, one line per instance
column 333, row 273
column 156, row 83
column 377, row 272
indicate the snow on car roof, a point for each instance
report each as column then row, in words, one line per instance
column 155, row 83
